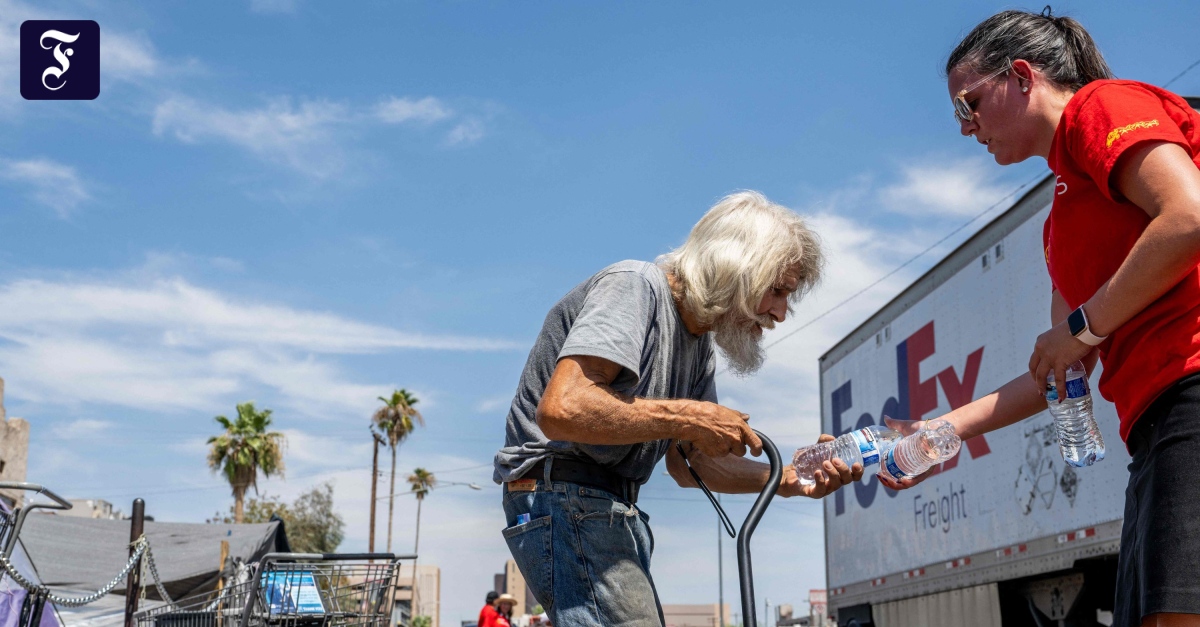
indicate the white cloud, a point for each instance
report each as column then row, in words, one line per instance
column 493, row 404
column 169, row 345
column 128, row 57
column 52, row 184
column 82, row 429
column 302, row 137
column 400, row 110
column 468, row 131
column 961, row 188
column 309, row 137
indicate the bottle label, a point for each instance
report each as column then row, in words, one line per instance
column 1077, row 388
column 892, row 468
column 866, row 446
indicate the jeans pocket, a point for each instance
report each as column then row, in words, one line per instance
column 531, row 547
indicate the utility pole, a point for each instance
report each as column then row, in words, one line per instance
column 374, row 480
column 720, row 571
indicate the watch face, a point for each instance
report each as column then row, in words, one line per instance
column 1076, row 322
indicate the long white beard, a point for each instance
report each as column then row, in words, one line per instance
column 740, row 345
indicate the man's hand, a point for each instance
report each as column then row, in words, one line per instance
column 833, row 475
column 906, row 428
column 719, row 431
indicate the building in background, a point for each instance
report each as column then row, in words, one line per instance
column 14, row 451
column 512, row 582
column 425, row 589
column 702, row 615
column 92, row 508
column 818, row 608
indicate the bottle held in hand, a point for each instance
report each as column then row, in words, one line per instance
column 935, row 443
column 862, row 446
column 1079, row 436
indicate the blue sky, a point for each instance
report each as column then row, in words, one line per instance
column 307, row 204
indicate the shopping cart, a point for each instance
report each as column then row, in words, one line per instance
column 294, row 590
column 11, row 522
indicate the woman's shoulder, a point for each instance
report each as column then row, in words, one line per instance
column 1116, row 92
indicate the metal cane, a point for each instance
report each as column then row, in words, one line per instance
column 745, row 571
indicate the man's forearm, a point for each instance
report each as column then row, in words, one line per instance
column 729, row 475
column 596, row 414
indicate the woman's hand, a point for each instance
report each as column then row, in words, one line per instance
column 1054, row 351
column 906, row 428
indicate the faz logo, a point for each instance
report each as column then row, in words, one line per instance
column 914, row 399
column 60, row 60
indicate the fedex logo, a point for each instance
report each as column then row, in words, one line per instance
column 914, row 399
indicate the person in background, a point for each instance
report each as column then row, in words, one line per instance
column 504, row 610
column 487, row 615
column 1122, row 247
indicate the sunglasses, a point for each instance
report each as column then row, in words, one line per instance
column 962, row 111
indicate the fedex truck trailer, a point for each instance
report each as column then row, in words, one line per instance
column 1006, row 533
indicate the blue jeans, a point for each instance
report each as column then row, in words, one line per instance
column 585, row 555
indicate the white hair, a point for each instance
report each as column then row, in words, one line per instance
column 739, row 251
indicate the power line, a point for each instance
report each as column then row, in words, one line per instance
column 1180, row 75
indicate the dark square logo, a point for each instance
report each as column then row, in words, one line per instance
column 60, row 60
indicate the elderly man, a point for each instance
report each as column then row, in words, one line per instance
column 622, row 370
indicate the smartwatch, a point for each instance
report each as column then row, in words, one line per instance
column 1077, row 322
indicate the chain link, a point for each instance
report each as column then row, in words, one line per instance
column 141, row 546
column 162, row 592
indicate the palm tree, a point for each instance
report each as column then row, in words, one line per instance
column 421, row 481
column 395, row 421
column 243, row 450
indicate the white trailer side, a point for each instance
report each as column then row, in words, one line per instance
column 1008, row 507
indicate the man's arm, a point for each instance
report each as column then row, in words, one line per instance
column 738, row 475
column 579, row 405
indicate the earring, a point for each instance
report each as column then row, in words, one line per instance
column 1024, row 90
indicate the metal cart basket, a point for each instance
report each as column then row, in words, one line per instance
column 294, row 590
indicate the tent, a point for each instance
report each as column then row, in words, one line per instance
column 76, row 556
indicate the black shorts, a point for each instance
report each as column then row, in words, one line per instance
column 1159, row 566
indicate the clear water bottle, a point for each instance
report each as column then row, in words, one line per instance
column 1078, row 434
column 935, row 443
column 863, row 446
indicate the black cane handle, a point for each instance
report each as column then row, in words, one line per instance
column 745, row 571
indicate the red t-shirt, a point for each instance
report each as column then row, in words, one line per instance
column 487, row 616
column 1091, row 230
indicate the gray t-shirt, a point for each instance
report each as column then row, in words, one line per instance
column 624, row 314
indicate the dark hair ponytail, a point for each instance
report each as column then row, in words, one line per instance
column 1058, row 46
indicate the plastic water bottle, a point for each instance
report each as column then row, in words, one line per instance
column 935, row 443
column 863, row 446
column 1078, row 434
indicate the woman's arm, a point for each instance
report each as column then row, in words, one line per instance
column 1012, row 402
column 1162, row 180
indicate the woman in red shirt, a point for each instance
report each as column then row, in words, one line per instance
column 1122, row 246
column 504, row 610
